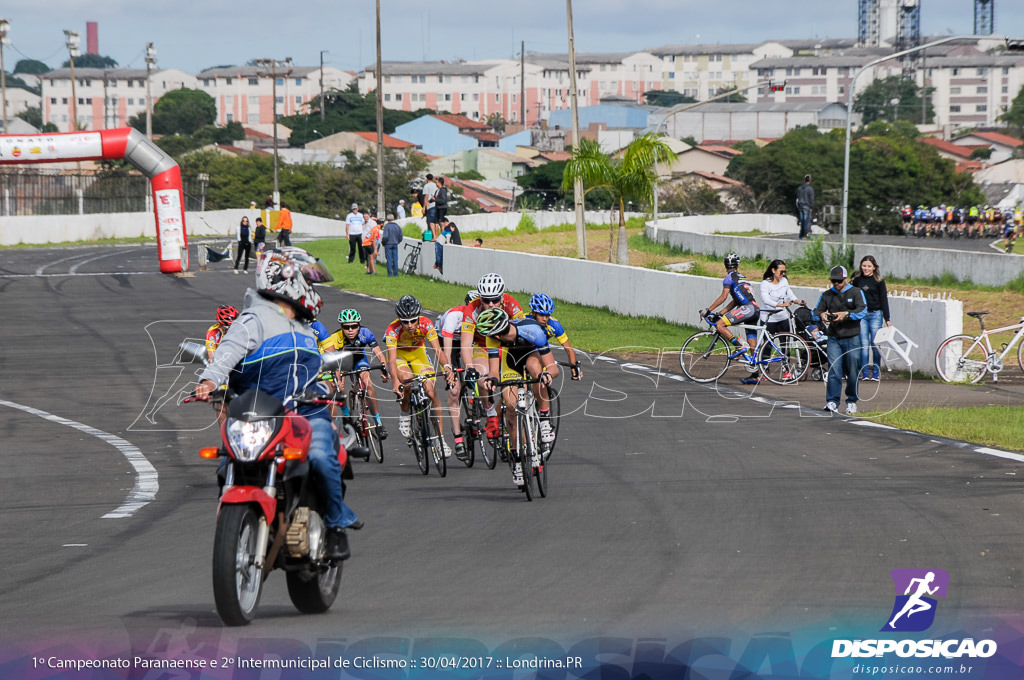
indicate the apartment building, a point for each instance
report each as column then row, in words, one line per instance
column 245, row 94
column 972, row 88
column 106, row 98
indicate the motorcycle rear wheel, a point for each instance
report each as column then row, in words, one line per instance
column 237, row 581
column 314, row 593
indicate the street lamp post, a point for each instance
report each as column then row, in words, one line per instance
column 273, row 65
column 380, row 126
column 150, row 63
column 849, row 112
column 5, row 26
column 204, row 179
column 72, row 42
column 322, row 53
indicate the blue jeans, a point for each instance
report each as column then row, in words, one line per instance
column 805, row 221
column 843, row 360
column 869, row 325
column 438, row 255
column 323, row 458
column 391, row 255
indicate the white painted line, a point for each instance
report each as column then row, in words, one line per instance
column 54, row 276
column 146, row 483
column 871, row 423
column 74, row 270
column 39, row 271
column 998, row 453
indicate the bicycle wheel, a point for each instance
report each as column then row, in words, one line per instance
column 961, row 359
column 522, row 455
column 538, row 470
column 435, row 443
column 704, row 357
column 1020, row 355
column 784, row 358
column 372, row 440
column 419, row 440
column 467, row 419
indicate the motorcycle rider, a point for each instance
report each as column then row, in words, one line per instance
column 271, row 347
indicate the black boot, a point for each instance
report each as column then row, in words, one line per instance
column 337, row 545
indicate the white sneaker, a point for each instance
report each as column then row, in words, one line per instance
column 405, row 425
column 832, row 406
column 447, row 449
column 547, row 432
column 517, row 474
column 851, row 408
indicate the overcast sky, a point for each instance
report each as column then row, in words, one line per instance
column 193, row 35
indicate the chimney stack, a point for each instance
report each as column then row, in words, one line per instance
column 92, row 38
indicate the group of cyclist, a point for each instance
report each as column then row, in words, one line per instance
column 971, row 222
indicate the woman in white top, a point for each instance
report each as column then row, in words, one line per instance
column 775, row 296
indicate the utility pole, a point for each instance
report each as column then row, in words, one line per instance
column 322, row 83
column 522, row 82
column 273, row 65
column 577, row 185
column 150, row 63
column 380, row 126
column 5, row 26
column 72, row 42
column 106, row 100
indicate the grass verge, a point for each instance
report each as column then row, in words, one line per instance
column 997, row 426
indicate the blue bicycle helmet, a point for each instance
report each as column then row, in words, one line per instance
column 542, row 304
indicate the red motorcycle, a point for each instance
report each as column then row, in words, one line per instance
column 270, row 511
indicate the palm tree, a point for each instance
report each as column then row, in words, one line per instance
column 629, row 179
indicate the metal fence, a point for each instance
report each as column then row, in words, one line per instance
column 77, row 193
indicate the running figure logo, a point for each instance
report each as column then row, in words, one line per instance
column 914, row 608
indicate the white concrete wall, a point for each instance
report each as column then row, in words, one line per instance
column 907, row 262
column 677, row 298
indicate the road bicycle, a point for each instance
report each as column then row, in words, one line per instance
column 425, row 437
column 412, row 258
column 522, row 445
column 473, row 417
column 966, row 358
column 781, row 358
column 363, row 422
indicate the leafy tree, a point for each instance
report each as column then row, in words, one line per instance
column 345, row 111
column 471, row 175
column 667, row 98
column 734, row 95
column 179, row 112
column 691, row 196
column 31, row 67
column 630, row 179
column 1014, row 116
column 888, row 169
column 91, row 61
column 542, row 186
column 497, row 122
column 876, row 101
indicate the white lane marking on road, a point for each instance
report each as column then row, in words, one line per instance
column 54, row 276
column 146, row 483
column 39, row 271
column 74, row 270
column 999, row 453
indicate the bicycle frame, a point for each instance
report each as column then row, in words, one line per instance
column 995, row 362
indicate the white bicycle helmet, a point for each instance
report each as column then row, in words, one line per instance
column 491, row 286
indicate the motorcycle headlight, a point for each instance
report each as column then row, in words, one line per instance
column 248, row 438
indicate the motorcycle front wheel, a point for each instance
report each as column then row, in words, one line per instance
column 237, row 581
column 314, row 593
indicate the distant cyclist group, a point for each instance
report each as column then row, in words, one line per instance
column 966, row 222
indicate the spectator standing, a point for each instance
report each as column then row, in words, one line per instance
column 284, row 225
column 391, row 236
column 775, row 295
column 400, row 210
column 371, row 234
column 441, row 200
column 354, row 223
column 417, row 203
column 842, row 306
column 243, row 244
column 805, row 206
column 429, row 207
column 871, row 283
column 269, row 203
column 259, row 238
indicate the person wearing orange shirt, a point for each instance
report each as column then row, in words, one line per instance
column 371, row 237
column 284, row 225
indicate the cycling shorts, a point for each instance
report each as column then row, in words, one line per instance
column 748, row 313
column 513, row 363
column 416, row 360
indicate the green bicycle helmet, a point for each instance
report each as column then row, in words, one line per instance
column 349, row 316
column 492, row 322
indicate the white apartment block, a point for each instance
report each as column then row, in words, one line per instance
column 106, row 98
column 19, row 100
column 245, row 94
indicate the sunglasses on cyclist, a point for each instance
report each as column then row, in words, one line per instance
column 409, row 322
column 349, row 326
column 490, row 300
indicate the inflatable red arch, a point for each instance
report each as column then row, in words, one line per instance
column 123, row 143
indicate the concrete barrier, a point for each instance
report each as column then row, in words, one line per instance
column 696, row 234
column 677, row 298
column 907, row 262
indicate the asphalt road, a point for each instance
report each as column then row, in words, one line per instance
column 674, row 509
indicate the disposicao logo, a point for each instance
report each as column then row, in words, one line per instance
column 913, row 611
column 915, row 605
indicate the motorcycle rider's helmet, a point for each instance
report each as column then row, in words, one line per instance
column 288, row 274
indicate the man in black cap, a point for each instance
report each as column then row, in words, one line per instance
column 842, row 307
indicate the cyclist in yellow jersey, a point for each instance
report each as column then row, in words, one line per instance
column 406, row 339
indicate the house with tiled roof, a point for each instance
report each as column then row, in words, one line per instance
column 357, row 142
column 445, row 134
column 1002, row 144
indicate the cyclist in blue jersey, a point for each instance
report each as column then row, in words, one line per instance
column 741, row 308
column 359, row 339
column 541, row 309
column 518, row 348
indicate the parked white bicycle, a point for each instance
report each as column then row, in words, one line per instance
column 966, row 358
